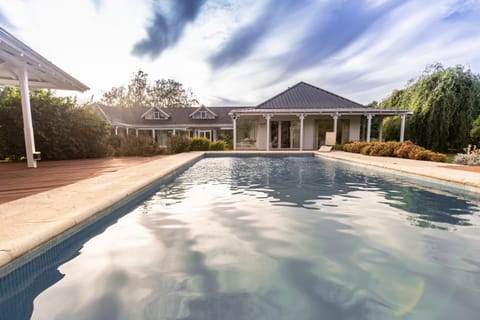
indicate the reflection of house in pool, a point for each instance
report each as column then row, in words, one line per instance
column 297, row 118
column 326, row 180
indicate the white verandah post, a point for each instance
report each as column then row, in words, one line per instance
column 301, row 117
column 335, row 125
column 380, row 130
column 268, row 117
column 27, row 118
column 234, row 118
column 136, row 132
column 369, row 126
column 402, row 128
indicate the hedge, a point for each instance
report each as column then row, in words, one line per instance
column 405, row 149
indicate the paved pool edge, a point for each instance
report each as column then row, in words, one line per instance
column 434, row 174
column 31, row 225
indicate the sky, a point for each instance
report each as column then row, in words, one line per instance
column 243, row 52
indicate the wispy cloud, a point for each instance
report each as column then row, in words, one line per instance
column 246, row 39
column 167, row 26
column 5, row 22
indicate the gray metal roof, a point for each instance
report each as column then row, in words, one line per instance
column 306, row 96
column 178, row 116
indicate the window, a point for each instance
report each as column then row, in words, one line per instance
column 205, row 134
column 203, row 115
column 157, row 115
column 247, row 133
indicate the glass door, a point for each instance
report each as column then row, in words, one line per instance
column 285, row 135
column 274, row 134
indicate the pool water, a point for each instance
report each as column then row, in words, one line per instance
column 266, row 238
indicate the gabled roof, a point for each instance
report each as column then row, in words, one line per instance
column 178, row 116
column 165, row 115
column 15, row 55
column 203, row 108
column 306, row 96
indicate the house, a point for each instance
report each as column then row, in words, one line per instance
column 162, row 123
column 303, row 117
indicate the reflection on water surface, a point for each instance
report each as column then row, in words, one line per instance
column 265, row 238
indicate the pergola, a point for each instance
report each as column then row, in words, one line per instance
column 21, row 66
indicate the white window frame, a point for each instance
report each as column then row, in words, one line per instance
column 157, row 115
column 203, row 134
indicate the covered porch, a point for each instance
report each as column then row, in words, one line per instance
column 306, row 129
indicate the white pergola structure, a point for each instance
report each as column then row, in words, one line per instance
column 21, row 66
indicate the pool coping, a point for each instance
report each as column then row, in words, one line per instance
column 428, row 173
column 31, row 225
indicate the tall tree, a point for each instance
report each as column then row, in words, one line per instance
column 445, row 102
column 140, row 93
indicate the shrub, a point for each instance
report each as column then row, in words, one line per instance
column 227, row 139
column 137, row 146
column 218, row 145
column 178, row 144
column 199, row 144
column 405, row 149
column 354, row 146
column 471, row 157
column 62, row 129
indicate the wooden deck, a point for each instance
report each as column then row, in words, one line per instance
column 17, row 181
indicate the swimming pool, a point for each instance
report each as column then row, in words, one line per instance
column 265, row 238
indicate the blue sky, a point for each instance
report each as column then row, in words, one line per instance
column 242, row 52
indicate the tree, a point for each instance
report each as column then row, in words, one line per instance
column 445, row 101
column 475, row 132
column 140, row 93
column 63, row 130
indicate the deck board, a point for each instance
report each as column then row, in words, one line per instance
column 18, row 181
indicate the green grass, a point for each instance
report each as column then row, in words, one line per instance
column 450, row 157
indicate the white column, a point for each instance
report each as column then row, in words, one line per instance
column 402, row 128
column 136, row 132
column 126, row 129
column 335, row 125
column 268, row 117
column 335, row 122
column 174, row 132
column 301, row 117
column 153, row 134
column 369, row 126
column 380, row 130
column 27, row 118
column 116, row 131
column 234, row 118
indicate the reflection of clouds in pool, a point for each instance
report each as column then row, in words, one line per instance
column 295, row 238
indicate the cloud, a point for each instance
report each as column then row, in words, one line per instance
column 169, row 21
column 5, row 22
column 337, row 27
column 247, row 38
column 97, row 4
